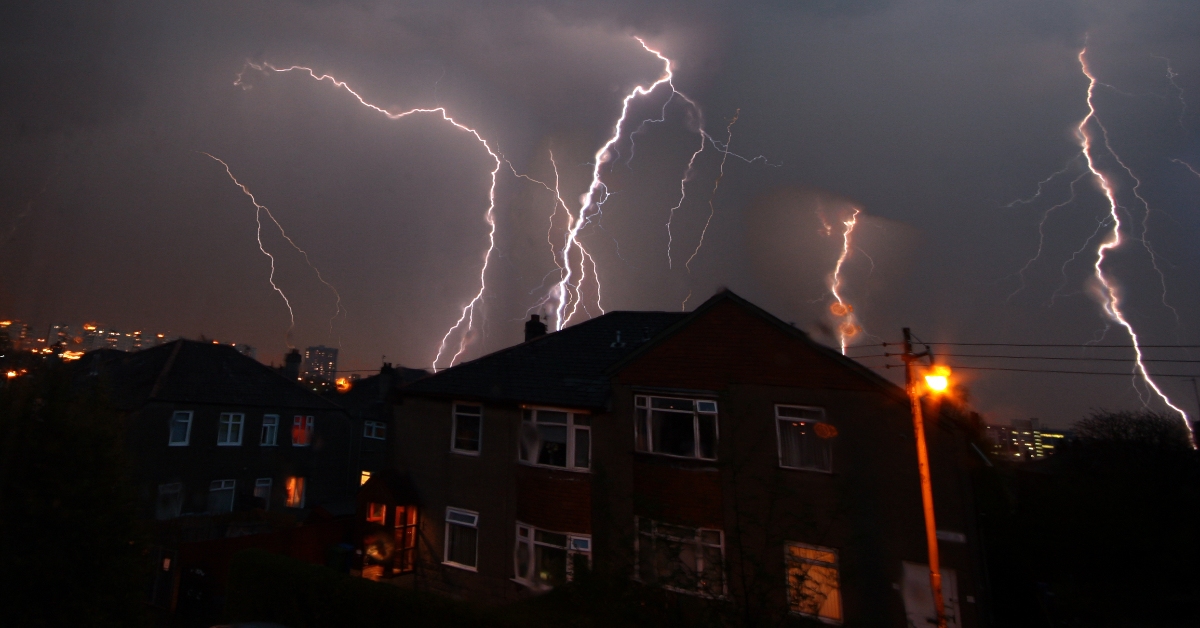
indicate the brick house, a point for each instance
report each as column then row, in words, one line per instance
column 721, row 454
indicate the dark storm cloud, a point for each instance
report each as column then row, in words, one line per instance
column 929, row 116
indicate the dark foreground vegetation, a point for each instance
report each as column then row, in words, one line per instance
column 1104, row 533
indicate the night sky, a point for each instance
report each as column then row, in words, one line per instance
column 931, row 118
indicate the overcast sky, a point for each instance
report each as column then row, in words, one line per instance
column 929, row 117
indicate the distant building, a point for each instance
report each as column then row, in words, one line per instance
column 1023, row 439
column 320, row 365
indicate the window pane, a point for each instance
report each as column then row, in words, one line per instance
column 708, row 435
column 461, row 517
column 789, row 443
column 550, row 565
column 269, row 430
column 812, row 414
column 706, row 406
column 673, row 433
column 712, row 577
column 170, row 501
column 643, row 431
column 550, row 538
column 179, row 427
column 466, row 433
column 524, row 555
column 672, row 404
column 460, row 546
column 553, row 450
column 813, row 590
column 583, row 448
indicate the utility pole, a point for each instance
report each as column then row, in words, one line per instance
column 914, row 397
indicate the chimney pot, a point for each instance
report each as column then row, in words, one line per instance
column 534, row 327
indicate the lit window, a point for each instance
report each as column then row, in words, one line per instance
column 812, row 579
column 363, row 477
column 805, row 439
column 262, row 493
column 462, row 538
column 680, row 558
column 295, row 492
column 181, row 428
column 302, row 431
column 270, row 430
column 468, row 426
column 404, row 525
column 375, row 429
column 376, row 513
column 229, row 430
column 170, row 501
column 555, row 438
column 220, row 496
column 546, row 559
column 677, row 427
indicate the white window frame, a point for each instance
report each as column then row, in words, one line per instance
column 376, row 430
column 171, row 487
column 577, row 545
column 187, row 434
column 643, row 404
column 533, row 446
column 267, row 484
column 791, row 561
column 697, row 540
column 779, row 434
column 222, row 485
column 307, row 424
column 465, row 518
column 225, row 436
column 274, row 425
column 454, row 428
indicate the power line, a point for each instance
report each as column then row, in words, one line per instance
column 1047, row 357
column 1000, row 368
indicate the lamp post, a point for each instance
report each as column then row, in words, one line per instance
column 937, row 381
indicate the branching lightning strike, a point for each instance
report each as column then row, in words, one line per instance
column 1110, row 296
column 259, row 209
column 466, row 320
column 841, row 309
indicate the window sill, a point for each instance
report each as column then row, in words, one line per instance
column 808, row 469
column 460, row 566
column 464, row 452
column 177, row 444
column 535, row 465
column 682, row 462
column 823, row 620
column 229, row 444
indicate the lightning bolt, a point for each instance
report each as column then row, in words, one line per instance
column 841, row 309
column 1171, row 76
column 1042, row 229
column 1111, row 298
column 259, row 210
column 1187, row 165
column 466, row 319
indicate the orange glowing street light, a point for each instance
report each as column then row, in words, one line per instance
column 938, row 381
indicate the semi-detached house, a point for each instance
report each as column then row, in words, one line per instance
column 722, row 454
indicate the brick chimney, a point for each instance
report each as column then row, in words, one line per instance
column 291, row 365
column 534, row 327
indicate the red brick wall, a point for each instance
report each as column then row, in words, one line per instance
column 560, row 501
column 678, row 495
column 730, row 345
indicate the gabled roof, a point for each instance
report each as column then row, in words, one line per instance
column 574, row 367
column 189, row 371
column 566, row 368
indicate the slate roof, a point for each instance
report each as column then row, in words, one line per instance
column 565, row 368
column 189, row 371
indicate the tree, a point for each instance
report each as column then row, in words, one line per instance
column 69, row 543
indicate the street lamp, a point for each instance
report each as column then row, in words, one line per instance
column 938, row 381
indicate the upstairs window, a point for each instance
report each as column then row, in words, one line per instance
column 462, row 538
column 170, row 501
column 181, row 428
column 555, row 438
column 220, row 496
column 262, row 493
column 270, row 430
column 680, row 558
column 686, row 428
column 375, row 429
column 467, row 428
column 805, row 439
column 544, row 559
column 229, row 430
column 812, row 581
column 302, row 431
